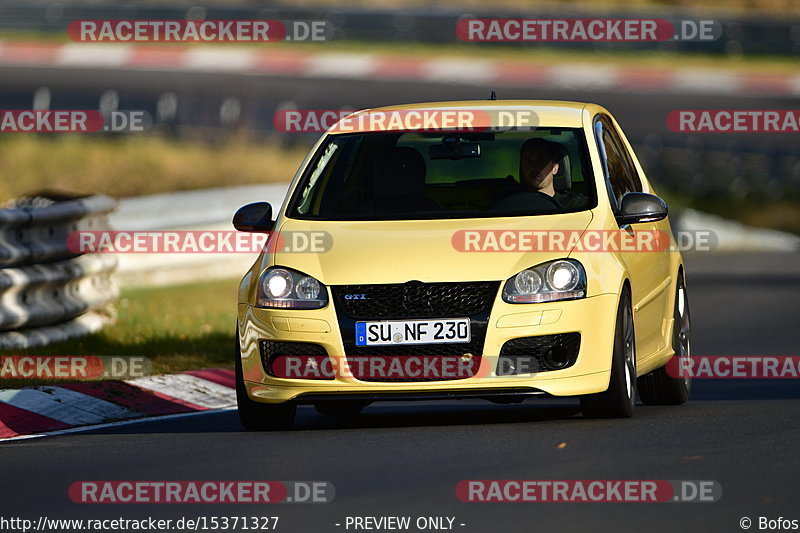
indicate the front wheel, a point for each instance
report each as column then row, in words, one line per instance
column 618, row 400
column 256, row 416
column 659, row 387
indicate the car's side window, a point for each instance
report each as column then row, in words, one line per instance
column 601, row 148
column 620, row 172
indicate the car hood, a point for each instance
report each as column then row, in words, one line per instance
column 364, row 252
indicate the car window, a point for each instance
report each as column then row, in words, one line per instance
column 396, row 175
column 618, row 166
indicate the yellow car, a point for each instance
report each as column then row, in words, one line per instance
column 481, row 249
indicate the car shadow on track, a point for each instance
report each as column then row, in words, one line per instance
column 396, row 414
column 382, row 415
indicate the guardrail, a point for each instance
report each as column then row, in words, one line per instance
column 47, row 292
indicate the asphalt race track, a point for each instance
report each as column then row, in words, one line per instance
column 639, row 113
column 406, row 459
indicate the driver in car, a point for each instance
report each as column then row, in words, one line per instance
column 538, row 165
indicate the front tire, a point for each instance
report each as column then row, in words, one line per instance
column 619, row 399
column 256, row 416
column 658, row 387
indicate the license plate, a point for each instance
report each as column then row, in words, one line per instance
column 450, row 330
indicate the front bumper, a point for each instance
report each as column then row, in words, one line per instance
column 593, row 317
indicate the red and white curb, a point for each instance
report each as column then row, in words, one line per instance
column 55, row 408
column 295, row 63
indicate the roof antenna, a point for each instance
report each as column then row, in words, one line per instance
column 493, row 96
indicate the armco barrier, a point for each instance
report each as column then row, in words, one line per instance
column 47, row 292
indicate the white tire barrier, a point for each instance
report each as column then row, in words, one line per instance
column 47, row 292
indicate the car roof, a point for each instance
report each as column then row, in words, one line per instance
column 552, row 113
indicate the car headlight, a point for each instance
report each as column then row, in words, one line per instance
column 287, row 289
column 563, row 279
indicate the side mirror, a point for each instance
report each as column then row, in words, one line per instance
column 255, row 217
column 638, row 207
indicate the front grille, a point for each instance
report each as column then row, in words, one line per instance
column 295, row 359
column 415, row 299
column 542, row 353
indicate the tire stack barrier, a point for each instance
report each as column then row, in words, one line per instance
column 47, row 292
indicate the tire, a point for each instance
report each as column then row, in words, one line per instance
column 340, row 408
column 256, row 416
column 658, row 387
column 619, row 399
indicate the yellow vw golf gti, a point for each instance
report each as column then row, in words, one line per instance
column 490, row 250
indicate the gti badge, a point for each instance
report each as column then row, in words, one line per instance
column 355, row 296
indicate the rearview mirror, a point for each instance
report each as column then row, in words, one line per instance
column 454, row 150
column 638, row 207
column 255, row 217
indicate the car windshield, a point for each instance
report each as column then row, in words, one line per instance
column 418, row 175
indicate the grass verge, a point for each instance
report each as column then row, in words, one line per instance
column 178, row 328
column 781, row 214
column 134, row 165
